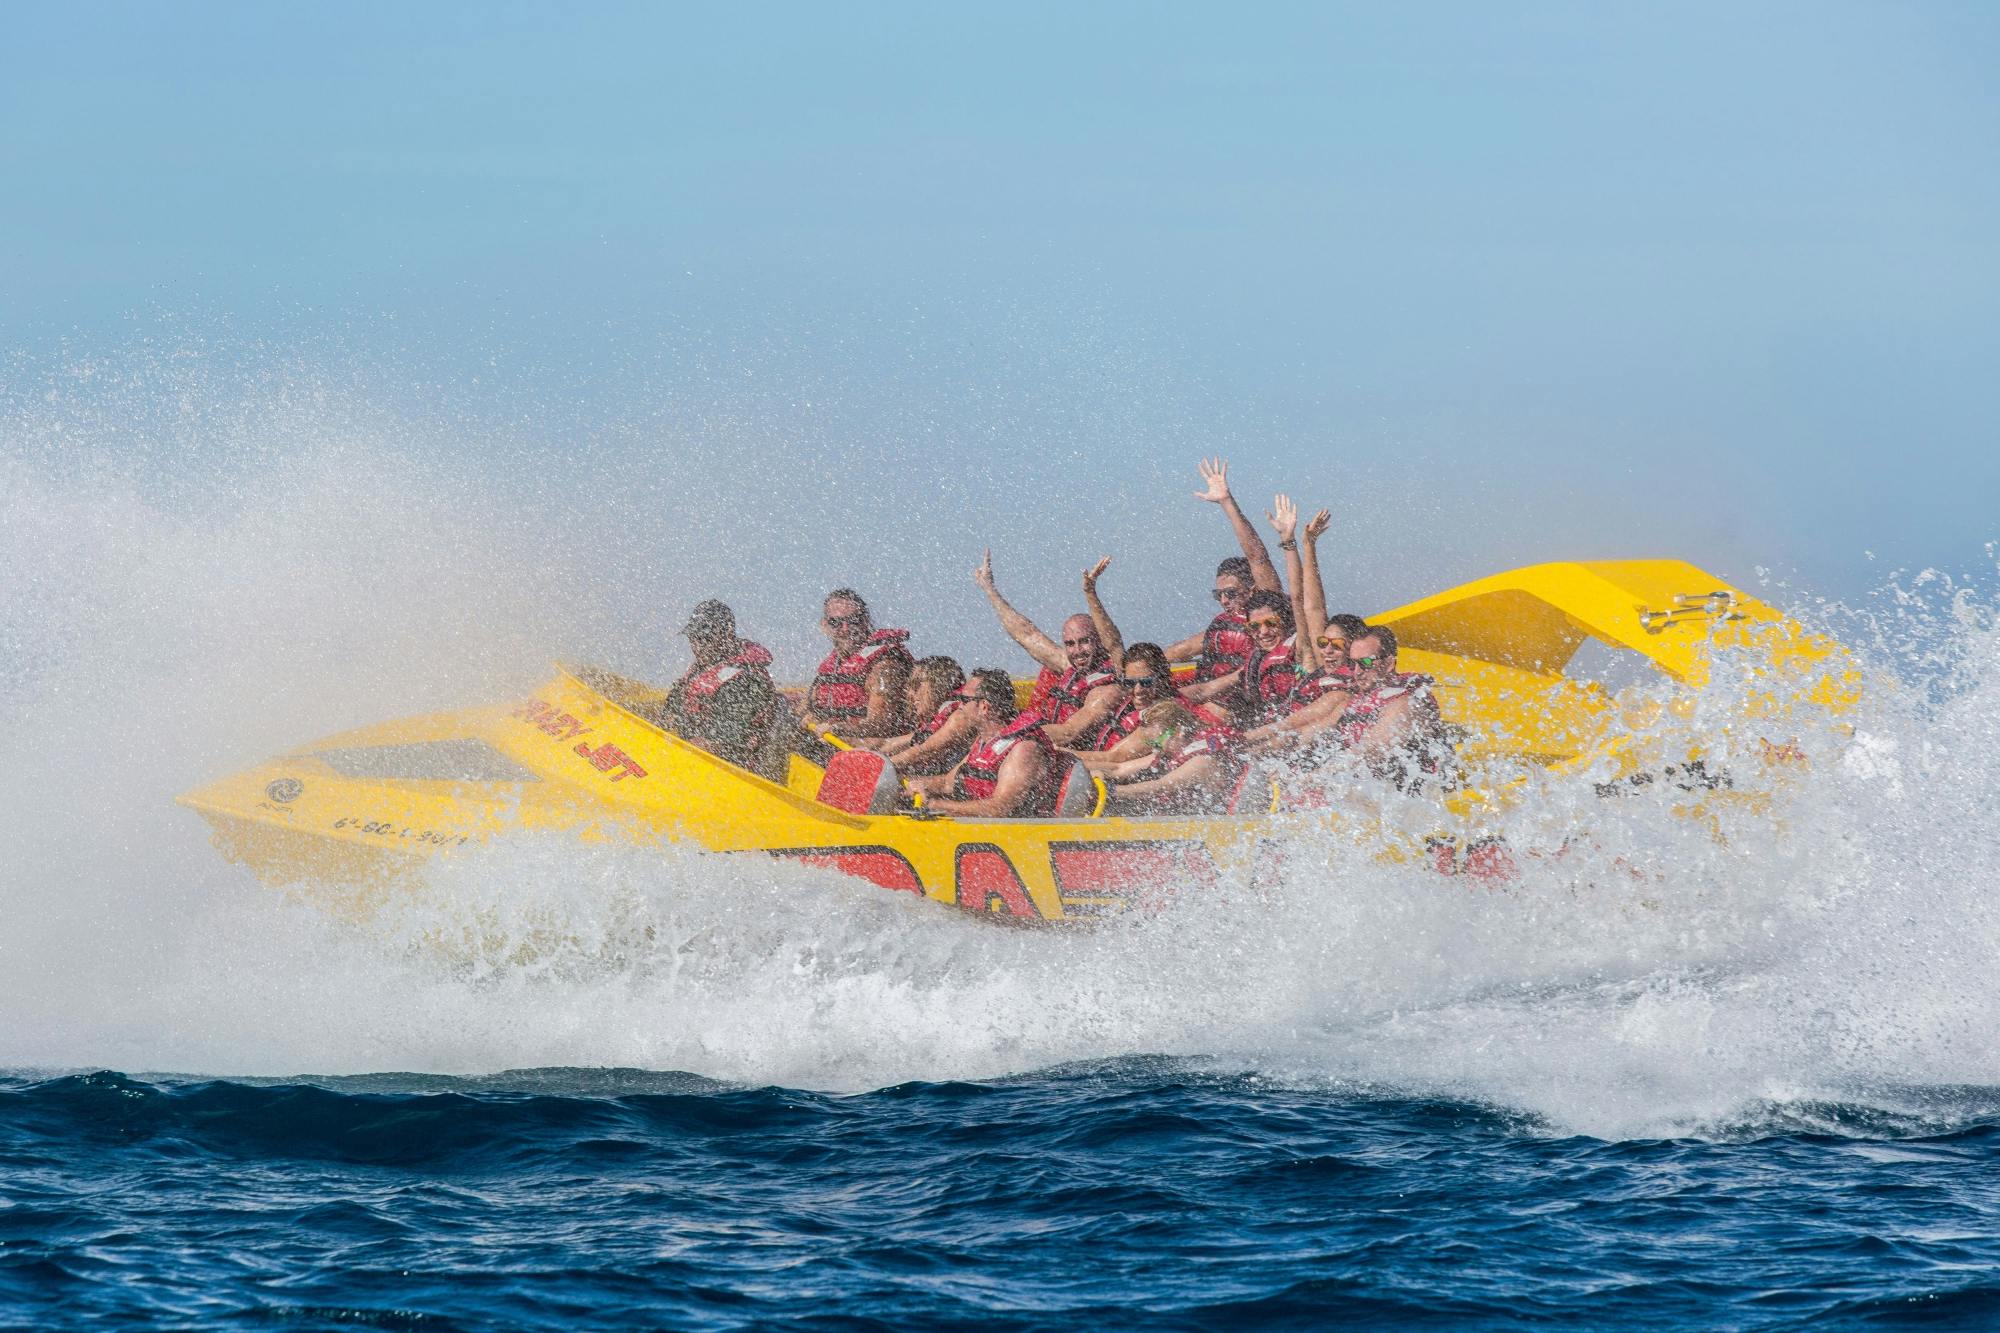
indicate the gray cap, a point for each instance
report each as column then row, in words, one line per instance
column 710, row 620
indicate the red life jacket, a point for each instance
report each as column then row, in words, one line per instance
column 1067, row 693
column 1123, row 723
column 840, row 689
column 1271, row 680
column 1225, row 647
column 938, row 719
column 1363, row 710
column 979, row 775
column 697, row 689
column 1045, row 681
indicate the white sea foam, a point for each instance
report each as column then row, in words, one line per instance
column 167, row 618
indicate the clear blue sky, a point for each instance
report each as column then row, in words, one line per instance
column 1503, row 282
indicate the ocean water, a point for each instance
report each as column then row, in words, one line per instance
column 1726, row 1072
column 1121, row 1193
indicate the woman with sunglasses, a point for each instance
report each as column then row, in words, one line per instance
column 1147, row 680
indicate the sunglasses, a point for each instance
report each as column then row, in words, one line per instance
column 1364, row 661
column 854, row 619
column 1331, row 643
column 1268, row 622
column 1231, row 594
column 1140, row 682
column 1079, row 643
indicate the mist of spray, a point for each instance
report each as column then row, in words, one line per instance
column 199, row 573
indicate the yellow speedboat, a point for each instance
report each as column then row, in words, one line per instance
column 347, row 818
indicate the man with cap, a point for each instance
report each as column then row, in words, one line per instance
column 725, row 703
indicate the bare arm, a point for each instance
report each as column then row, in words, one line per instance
column 1284, row 517
column 1023, row 767
column 1312, row 590
column 1200, row 771
column 1127, row 768
column 1138, row 743
column 1019, row 628
column 1187, row 649
column 952, row 735
column 884, row 717
column 1098, row 706
column 1316, row 716
column 1107, row 629
column 1202, row 691
column 1215, row 471
column 934, row 784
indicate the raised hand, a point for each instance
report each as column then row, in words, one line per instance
column 1214, row 471
column 1090, row 575
column 983, row 573
column 1317, row 525
column 1284, row 517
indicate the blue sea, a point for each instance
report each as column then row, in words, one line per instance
column 1129, row 1193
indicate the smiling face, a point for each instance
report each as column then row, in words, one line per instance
column 976, row 708
column 1081, row 646
column 1333, row 652
column 846, row 623
column 1267, row 628
column 1231, row 592
column 1367, row 665
column 1143, row 685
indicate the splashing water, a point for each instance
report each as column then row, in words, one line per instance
column 169, row 618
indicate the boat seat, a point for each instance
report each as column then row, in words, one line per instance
column 860, row 782
column 1079, row 792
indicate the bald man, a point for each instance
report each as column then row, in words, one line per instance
column 1078, row 691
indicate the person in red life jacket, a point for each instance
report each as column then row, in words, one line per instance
column 858, row 689
column 1078, row 690
column 1192, row 768
column 1148, row 680
column 1269, row 684
column 1390, row 712
column 1224, row 645
column 1010, row 772
column 1320, row 694
column 725, row 703
column 1390, row 718
column 946, row 732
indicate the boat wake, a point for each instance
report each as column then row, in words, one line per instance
column 1817, row 964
